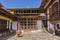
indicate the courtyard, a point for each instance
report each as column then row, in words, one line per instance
column 30, row 18
column 42, row 35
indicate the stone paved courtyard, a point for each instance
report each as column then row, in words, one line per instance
column 34, row 36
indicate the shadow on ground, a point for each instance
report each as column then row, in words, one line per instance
column 6, row 36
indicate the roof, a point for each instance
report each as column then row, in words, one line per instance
column 26, row 9
column 22, row 8
column 1, row 5
column 7, row 14
column 43, row 3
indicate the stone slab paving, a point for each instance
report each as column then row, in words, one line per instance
column 35, row 36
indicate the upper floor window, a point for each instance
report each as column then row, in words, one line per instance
column 55, row 8
column 32, row 11
column 58, row 26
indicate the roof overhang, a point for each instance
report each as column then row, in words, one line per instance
column 6, row 14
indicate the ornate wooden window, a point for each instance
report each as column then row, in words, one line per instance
column 55, row 9
column 58, row 26
column 50, row 12
column 30, row 22
column 23, row 22
column 32, row 11
column 24, row 11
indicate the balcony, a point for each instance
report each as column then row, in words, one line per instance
column 27, row 13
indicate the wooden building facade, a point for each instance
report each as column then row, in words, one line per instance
column 28, row 17
column 52, row 10
column 6, row 19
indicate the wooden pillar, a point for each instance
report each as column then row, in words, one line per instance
column 17, row 26
column 36, row 11
column 30, row 11
column 11, row 25
column 7, row 24
column 33, row 23
column 30, row 24
column 26, row 23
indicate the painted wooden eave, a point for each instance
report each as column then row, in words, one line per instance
column 5, row 18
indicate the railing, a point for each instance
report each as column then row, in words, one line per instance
column 26, row 13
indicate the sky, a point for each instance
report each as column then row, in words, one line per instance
column 21, row 3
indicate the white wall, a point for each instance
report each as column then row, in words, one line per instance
column 7, row 25
column 14, row 25
column 39, row 24
column 50, row 26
